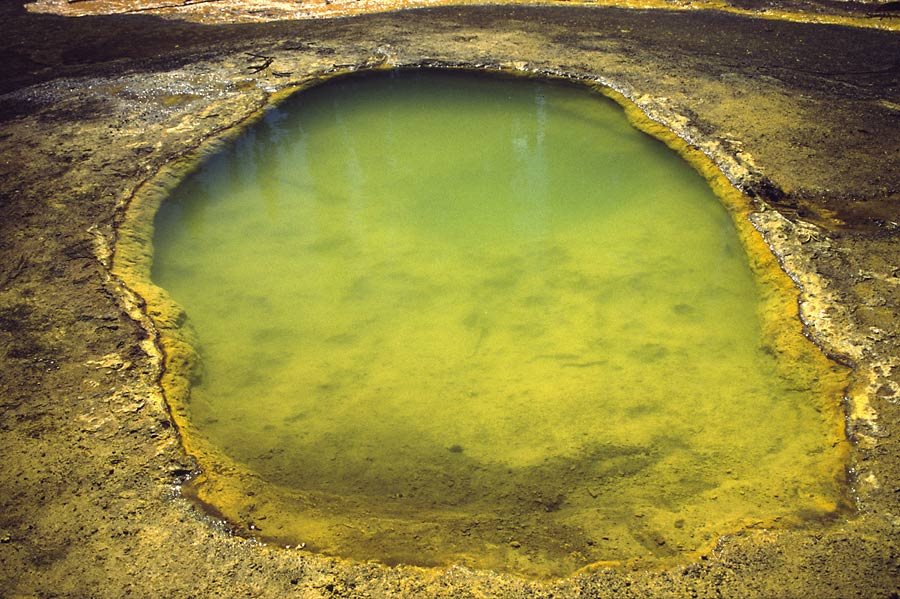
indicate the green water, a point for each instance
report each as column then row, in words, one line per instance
column 448, row 319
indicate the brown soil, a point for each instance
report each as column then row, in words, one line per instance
column 803, row 117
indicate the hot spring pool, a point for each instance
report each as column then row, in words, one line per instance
column 454, row 319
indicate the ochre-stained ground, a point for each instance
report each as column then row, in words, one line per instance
column 862, row 13
column 804, row 117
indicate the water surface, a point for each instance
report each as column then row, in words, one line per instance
column 447, row 319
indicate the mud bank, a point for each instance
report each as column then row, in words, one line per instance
column 803, row 118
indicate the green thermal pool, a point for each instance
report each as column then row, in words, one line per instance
column 451, row 319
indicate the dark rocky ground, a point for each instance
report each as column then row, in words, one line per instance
column 804, row 117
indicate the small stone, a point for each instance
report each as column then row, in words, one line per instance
column 515, row 544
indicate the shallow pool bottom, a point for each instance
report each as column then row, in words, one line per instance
column 532, row 345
